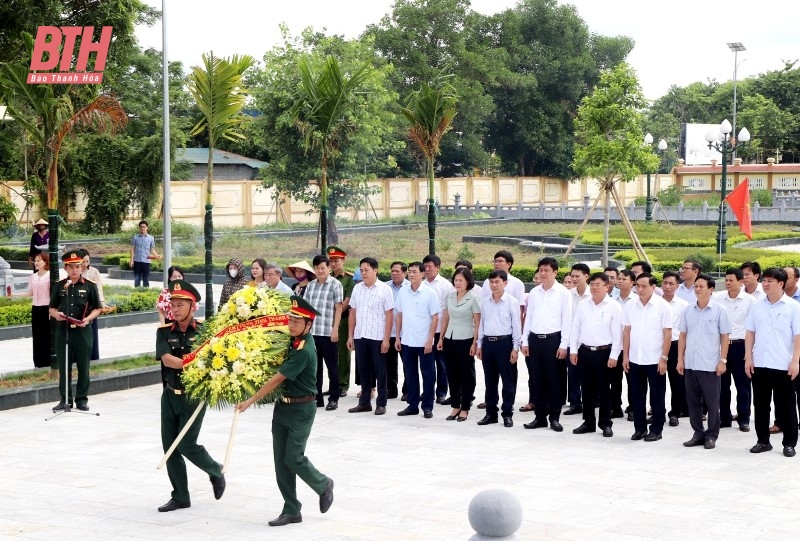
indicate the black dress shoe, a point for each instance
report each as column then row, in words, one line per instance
column 439, row 400
column 508, row 422
column 487, row 420
column 357, row 409
column 617, row 414
column 404, row 397
column 630, row 416
column 218, row 484
column 789, row 451
column 447, row 401
column 428, row 414
column 408, row 411
column 536, row 423
column 726, row 424
column 61, row 406
column 572, row 410
column 326, row 498
column 342, row 394
column 744, row 427
column 637, row 435
column 283, row 520
column 607, row 432
column 83, row 406
column 555, row 425
column 320, row 404
column 332, row 405
column 694, row 442
column 380, row 410
column 584, row 429
column 710, row 443
column 482, row 406
column 652, row 437
column 451, row 417
column 173, row 505
column 326, row 393
column 673, row 421
column 761, row 448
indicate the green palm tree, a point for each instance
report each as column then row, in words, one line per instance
column 218, row 89
column 323, row 114
column 430, row 111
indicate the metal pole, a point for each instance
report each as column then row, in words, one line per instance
column 165, row 109
column 648, row 210
column 722, row 235
column 735, row 69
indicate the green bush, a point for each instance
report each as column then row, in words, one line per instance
column 141, row 301
column 19, row 314
column 673, row 258
column 12, row 253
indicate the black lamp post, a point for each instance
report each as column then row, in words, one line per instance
column 726, row 144
column 648, row 210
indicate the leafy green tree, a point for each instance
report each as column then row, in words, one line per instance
column 430, row 111
column 608, row 135
column 218, row 90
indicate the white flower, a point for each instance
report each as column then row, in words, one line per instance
column 238, row 367
column 201, row 365
column 243, row 311
column 262, row 306
column 213, row 341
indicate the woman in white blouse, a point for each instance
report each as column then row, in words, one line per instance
column 39, row 289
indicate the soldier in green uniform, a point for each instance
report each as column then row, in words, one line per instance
column 173, row 341
column 74, row 303
column 294, row 415
column 337, row 257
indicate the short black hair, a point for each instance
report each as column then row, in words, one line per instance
column 753, row 266
column 626, row 272
column 709, row 281
column 551, row 262
column 467, row 274
column 174, row 268
column 671, row 274
column 403, row 266
column 433, row 258
column 505, row 254
column 144, row 222
column 420, row 266
column 371, row 261
column 261, row 263
column 582, row 267
column 464, row 263
column 736, row 272
column 319, row 259
column 776, row 273
column 615, row 270
column 695, row 264
column 650, row 278
column 646, row 267
column 599, row 276
column 497, row 273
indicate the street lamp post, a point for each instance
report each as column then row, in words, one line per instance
column 736, row 47
column 648, row 210
column 721, row 142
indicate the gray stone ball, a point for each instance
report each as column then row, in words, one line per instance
column 495, row 513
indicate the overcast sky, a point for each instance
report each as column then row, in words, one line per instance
column 677, row 42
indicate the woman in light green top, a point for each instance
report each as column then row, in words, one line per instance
column 461, row 318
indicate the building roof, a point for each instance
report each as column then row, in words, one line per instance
column 199, row 156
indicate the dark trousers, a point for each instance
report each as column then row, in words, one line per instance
column 441, row 370
column 616, row 385
column 548, row 373
column 141, row 274
column 677, row 384
column 40, row 329
column 175, row 412
column 702, row 388
column 744, row 393
column 595, row 380
column 372, row 364
column 291, row 425
column 77, row 344
column 416, row 361
column 531, row 386
column 574, row 382
column 497, row 367
column 767, row 381
column 640, row 376
column 460, row 372
column 95, row 342
column 328, row 355
column 344, row 356
column 391, row 369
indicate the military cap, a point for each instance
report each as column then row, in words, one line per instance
column 181, row 289
column 73, row 256
column 301, row 308
column 335, row 251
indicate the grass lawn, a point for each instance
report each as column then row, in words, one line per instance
column 42, row 375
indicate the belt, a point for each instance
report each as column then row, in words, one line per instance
column 497, row 338
column 737, row 341
column 73, row 326
column 546, row 336
column 174, row 390
column 297, row 399
column 596, row 348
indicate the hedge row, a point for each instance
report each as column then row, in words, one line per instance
column 669, row 261
column 596, row 239
column 10, row 253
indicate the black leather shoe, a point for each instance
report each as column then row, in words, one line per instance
column 673, row 421
column 326, row 498
column 61, row 406
column 617, row 414
column 694, row 442
column 439, row 400
column 320, row 404
column 404, row 397
column 173, row 505
column 584, row 429
column 488, row 421
column 710, row 443
column 744, row 427
column 482, row 406
column 428, row 414
column 607, row 432
column 332, row 405
column 761, row 448
column 555, row 425
column 536, row 423
column 726, row 424
column 572, row 410
column 630, row 416
column 508, row 422
column 380, row 410
column 652, row 437
column 637, row 435
column 283, row 520
column 83, row 406
column 342, row 394
column 447, row 401
column 218, row 484
column 326, row 393
column 789, row 451
column 357, row 409
column 407, row 411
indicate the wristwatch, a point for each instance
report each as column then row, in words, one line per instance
column 724, row 361
column 664, row 357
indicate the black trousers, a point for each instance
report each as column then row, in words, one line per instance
column 744, row 391
column 595, row 380
column 391, row 369
column 497, row 367
column 574, row 382
column 677, row 384
column 548, row 375
column 531, row 386
column 767, row 381
column 441, row 370
column 703, row 388
column 460, row 371
column 640, row 376
column 372, row 365
column 328, row 355
column 616, row 385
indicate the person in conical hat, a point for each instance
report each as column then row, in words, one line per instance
column 39, row 240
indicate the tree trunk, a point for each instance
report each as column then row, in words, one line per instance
column 333, row 232
column 52, row 218
column 431, row 212
column 208, row 232
column 606, row 227
column 323, row 209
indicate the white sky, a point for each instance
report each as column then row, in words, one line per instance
column 677, row 42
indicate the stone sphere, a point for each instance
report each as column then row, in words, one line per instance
column 495, row 513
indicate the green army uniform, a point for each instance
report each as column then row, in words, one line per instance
column 346, row 279
column 77, row 301
column 176, row 409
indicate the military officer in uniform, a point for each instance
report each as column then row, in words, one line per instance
column 173, row 341
column 74, row 303
column 337, row 257
column 294, row 415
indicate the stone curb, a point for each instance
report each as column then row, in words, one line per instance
column 12, row 332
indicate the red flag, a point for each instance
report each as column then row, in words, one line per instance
column 739, row 200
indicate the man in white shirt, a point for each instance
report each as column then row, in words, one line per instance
column 737, row 304
column 368, row 328
column 626, row 294
column 751, row 275
column 417, row 316
column 595, row 343
column 580, row 276
column 677, row 384
column 646, row 338
column 689, row 272
column 545, row 338
column 772, row 351
column 272, row 275
column 442, row 287
column 397, row 274
column 612, row 273
column 791, row 289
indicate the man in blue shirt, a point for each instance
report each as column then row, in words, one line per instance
column 143, row 249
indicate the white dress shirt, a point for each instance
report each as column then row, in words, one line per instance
column 775, row 326
column 597, row 324
column 577, row 298
column 417, row 308
column 677, row 305
column 737, row 308
column 548, row 311
column 686, row 293
column 371, row 305
column 500, row 318
column 514, row 287
column 758, row 294
column 442, row 287
column 647, row 322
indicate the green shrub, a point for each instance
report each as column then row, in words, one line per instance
column 12, row 253
column 19, row 314
column 141, row 301
column 465, row 253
